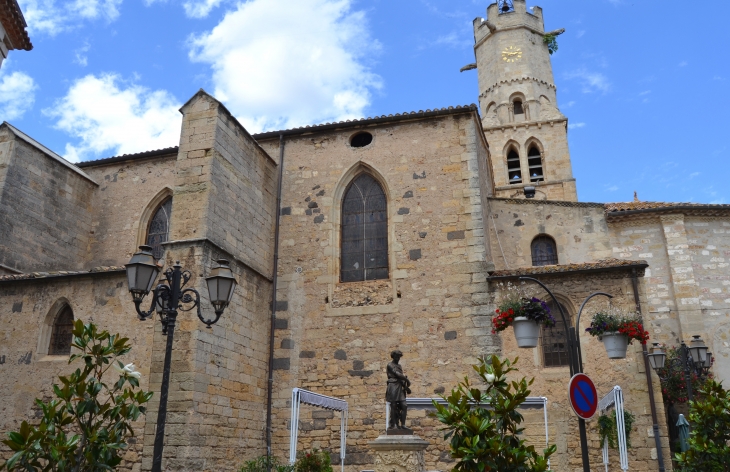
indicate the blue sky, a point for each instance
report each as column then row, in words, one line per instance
column 644, row 83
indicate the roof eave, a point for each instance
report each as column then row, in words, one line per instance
column 591, row 270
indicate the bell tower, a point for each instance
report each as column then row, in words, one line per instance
column 527, row 133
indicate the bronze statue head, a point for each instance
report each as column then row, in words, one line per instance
column 397, row 353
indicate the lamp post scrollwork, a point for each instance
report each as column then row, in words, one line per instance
column 169, row 297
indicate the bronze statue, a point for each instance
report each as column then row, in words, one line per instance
column 396, row 392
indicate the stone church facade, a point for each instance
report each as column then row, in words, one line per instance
column 395, row 231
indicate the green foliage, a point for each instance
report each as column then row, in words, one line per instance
column 85, row 428
column 672, row 377
column 315, row 461
column 607, row 429
column 551, row 42
column 709, row 439
column 263, row 463
column 487, row 439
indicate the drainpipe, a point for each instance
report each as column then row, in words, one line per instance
column 273, row 303
column 650, row 385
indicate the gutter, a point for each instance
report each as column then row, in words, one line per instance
column 270, row 388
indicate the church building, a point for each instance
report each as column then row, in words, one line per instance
column 349, row 240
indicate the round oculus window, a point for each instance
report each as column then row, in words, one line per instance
column 361, row 139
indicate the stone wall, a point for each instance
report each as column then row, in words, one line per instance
column 579, row 231
column 25, row 319
column 123, row 205
column 434, row 305
column 687, row 283
column 45, row 207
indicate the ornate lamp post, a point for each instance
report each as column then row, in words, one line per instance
column 168, row 297
column 574, row 357
column 694, row 359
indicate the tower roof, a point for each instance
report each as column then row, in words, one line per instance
column 14, row 23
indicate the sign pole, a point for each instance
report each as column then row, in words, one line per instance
column 578, row 369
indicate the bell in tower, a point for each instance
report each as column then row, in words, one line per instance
column 506, row 6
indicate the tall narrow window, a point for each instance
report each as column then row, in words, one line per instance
column 534, row 161
column 61, row 334
column 554, row 347
column 159, row 229
column 518, row 107
column 544, row 251
column 364, row 231
column 513, row 167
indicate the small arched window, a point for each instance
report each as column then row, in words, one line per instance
column 513, row 167
column 544, row 251
column 517, row 104
column 534, row 161
column 61, row 334
column 554, row 347
column 159, row 228
column 364, row 231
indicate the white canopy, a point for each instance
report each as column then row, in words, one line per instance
column 299, row 396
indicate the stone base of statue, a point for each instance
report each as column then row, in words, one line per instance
column 399, row 431
column 399, row 453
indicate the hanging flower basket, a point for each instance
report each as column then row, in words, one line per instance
column 617, row 330
column 525, row 315
column 616, row 344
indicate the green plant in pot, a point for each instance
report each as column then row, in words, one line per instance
column 617, row 330
column 608, row 431
column 524, row 313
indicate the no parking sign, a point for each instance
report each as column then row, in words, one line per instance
column 583, row 396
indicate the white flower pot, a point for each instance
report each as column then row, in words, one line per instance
column 615, row 344
column 527, row 332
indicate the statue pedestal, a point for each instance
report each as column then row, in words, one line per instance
column 399, row 453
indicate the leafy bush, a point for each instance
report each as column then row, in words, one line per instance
column 315, row 461
column 551, row 42
column 673, row 381
column 85, row 428
column 487, row 439
column 607, row 429
column 709, row 438
column 264, row 464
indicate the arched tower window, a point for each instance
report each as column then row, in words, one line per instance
column 513, row 167
column 534, row 161
column 159, row 228
column 554, row 347
column 544, row 251
column 364, row 231
column 517, row 104
column 61, row 334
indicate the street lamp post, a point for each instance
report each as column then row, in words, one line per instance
column 574, row 357
column 169, row 296
column 694, row 359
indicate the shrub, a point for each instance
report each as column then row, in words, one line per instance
column 710, row 434
column 264, row 464
column 488, row 439
column 315, row 461
column 85, row 428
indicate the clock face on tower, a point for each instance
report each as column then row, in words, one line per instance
column 512, row 54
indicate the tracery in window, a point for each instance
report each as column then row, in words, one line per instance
column 364, row 248
column 159, row 228
column 534, row 162
column 513, row 167
column 554, row 347
column 61, row 335
column 544, row 251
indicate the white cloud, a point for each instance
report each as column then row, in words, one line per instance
column 569, row 104
column 580, row 33
column 278, row 63
column 17, row 94
column 612, row 188
column 576, row 125
column 645, row 92
column 693, row 175
column 51, row 17
column 683, row 64
column 591, row 81
column 107, row 115
column 200, row 8
column 81, row 57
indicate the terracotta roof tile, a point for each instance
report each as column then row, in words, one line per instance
column 631, row 206
column 597, row 266
column 14, row 23
column 59, row 273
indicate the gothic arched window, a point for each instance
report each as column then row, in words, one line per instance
column 554, row 347
column 61, row 334
column 513, row 167
column 364, row 231
column 159, row 228
column 534, row 162
column 544, row 251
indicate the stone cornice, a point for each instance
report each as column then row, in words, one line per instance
column 524, row 124
column 519, row 80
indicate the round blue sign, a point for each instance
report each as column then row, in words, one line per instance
column 583, row 396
